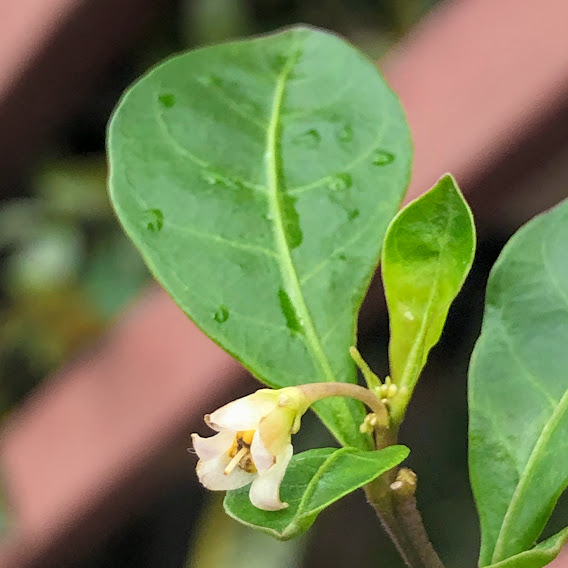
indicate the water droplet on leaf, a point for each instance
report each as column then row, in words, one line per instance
column 211, row 79
column 382, row 158
column 279, row 61
column 214, row 178
column 293, row 322
column 167, row 100
column 345, row 133
column 221, row 315
column 310, row 138
column 340, row 181
column 291, row 221
column 154, row 220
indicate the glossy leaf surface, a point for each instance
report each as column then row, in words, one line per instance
column 428, row 252
column 258, row 178
column 314, row 480
column 518, row 389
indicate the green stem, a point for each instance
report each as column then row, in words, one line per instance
column 372, row 380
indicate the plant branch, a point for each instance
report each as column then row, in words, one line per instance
column 393, row 497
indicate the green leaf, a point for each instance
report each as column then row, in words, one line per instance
column 429, row 248
column 314, row 480
column 518, row 393
column 258, row 178
column 541, row 555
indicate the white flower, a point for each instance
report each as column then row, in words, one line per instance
column 252, row 445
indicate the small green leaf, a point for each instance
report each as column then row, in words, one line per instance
column 429, row 248
column 539, row 556
column 258, row 178
column 314, row 480
column 518, row 395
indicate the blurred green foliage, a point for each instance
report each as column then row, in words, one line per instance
column 67, row 268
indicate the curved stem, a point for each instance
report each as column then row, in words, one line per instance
column 391, row 494
column 317, row 391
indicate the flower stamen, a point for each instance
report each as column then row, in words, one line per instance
column 236, row 459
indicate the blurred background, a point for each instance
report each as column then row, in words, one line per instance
column 68, row 273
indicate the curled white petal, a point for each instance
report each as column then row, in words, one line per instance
column 214, row 446
column 262, row 458
column 265, row 489
column 243, row 413
column 211, row 474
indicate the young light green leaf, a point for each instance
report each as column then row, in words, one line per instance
column 539, row 556
column 258, row 178
column 518, row 389
column 314, row 480
column 429, row 248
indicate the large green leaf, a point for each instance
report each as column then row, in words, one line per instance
column 314, row 480
column 429, row 249
column 258, row 178
column 539, row 556
column 518, row 389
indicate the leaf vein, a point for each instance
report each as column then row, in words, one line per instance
column 208, row 166
column 287, row 268
column 350, row 166
column 548, row 268
column 227, row 242
column 234, row 105
column 529, row 376
column 528, row 474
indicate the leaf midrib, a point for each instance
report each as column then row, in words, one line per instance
column 528, row 474
column 562, row 406
column 414, row 361
column 285, row 262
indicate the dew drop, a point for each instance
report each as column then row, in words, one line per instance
column 289, row 312
column 409, row 315
column 154, row 220
column 279, row 62
column 340, row 181
column 382, row 158
column 167, row 100
column 221, row 315
column 310, row 138
column 291, row 221
column 213, row 178
column 210, row 79
column 345, row 133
